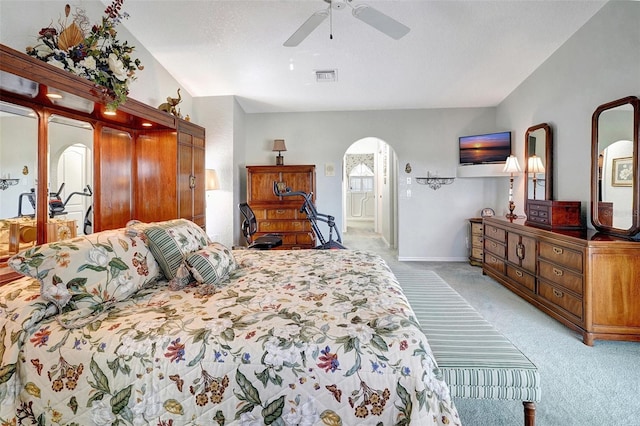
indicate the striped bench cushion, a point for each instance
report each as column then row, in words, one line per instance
column 476, row 360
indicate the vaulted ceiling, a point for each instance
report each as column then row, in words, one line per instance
column 464, row 53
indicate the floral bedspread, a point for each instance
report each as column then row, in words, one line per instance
column 303, row 337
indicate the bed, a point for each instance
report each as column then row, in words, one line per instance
column 304, row 337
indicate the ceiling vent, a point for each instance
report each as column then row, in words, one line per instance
column 326, row 76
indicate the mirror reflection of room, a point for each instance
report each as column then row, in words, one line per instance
column 536, row 145
column 615, row 184
column 69, row 209
column 18, row 174
column 70, row 176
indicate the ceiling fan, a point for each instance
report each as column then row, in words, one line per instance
column 365, row 13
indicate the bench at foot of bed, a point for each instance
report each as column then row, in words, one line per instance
column 476, row 360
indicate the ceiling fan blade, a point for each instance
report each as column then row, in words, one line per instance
column 380, row 21
column 306, row 28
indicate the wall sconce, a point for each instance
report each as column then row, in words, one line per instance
column 535, row 166
column 211, row 180
column 511, row 166
column 278, row 145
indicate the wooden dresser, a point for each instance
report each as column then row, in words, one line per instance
column 475, row 241
column 586, row 280
column 281, row 215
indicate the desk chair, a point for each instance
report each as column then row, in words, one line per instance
column 250, row 227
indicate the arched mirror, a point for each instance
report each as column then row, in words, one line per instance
column 539, row 162
column 615, row 194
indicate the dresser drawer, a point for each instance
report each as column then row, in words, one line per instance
column 294, row 240
column 476, row 240
column 542, row 219
column 561, row 276
column 495, row 233
column 561, row 256
column 495, row 248
column 282, row 214
column 522, row 278
column 476, row 252
column 541, row 213
column 538, row 209
column 305, row 238
column 283, row 226
column 560, row 298
column 494, row 262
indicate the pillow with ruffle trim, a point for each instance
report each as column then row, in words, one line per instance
column 171, row 241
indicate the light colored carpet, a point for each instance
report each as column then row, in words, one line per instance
column 581, row 385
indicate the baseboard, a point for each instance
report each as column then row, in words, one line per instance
column 432, row 259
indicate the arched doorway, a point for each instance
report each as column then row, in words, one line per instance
column 369, row 195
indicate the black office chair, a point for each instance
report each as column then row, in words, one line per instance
column 250, row 227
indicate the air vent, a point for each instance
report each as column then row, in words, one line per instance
column 326, row 76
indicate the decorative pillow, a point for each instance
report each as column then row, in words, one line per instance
column 170, row 242
column 212, row 264
column 90, row 270
column 135, row 228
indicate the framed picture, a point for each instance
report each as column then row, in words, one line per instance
column 622, row 172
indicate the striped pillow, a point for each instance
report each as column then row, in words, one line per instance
column 212, row 264
column 171, row 241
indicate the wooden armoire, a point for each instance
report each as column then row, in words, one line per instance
column 147, row 164
column 281, row 215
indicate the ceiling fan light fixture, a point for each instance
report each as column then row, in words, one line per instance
column 366, row 14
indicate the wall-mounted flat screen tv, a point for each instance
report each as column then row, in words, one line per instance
column 483, row 149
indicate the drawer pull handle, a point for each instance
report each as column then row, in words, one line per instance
column 280, row 211
column 557, row 293
column 558, row 250
column 518, row 273
column 558, row 272
column 494, row 245
column 520, row 251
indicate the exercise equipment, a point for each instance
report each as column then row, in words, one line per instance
column 57, row 207
column 313, row 216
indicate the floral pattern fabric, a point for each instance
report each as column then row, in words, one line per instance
column 303, row 337
column 91, row 271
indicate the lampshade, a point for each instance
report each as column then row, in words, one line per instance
column 211, row 180
column 278, row 145
column 535, row 165
column 511, row 165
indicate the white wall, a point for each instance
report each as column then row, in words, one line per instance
column 218, row 115
column 20, row 151
column 598, row 64
column 432, row 224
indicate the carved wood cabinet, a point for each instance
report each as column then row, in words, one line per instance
column 147, row 164
column 586, row 280
column 281, row 215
